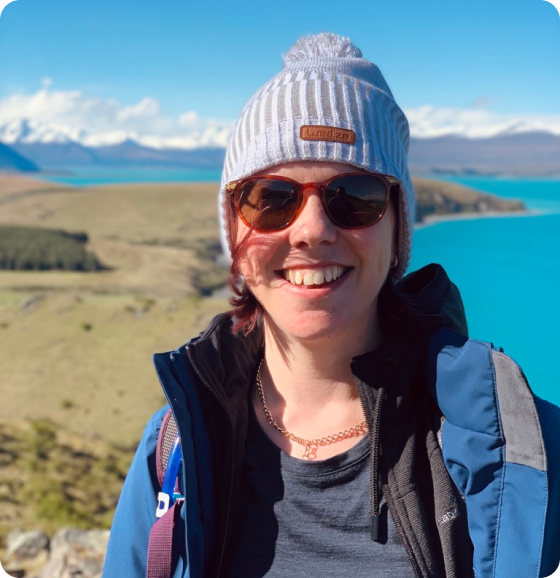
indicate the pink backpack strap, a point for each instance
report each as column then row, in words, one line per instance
column 167, row 434
column 160, row 546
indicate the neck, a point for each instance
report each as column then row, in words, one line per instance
column 305, row 375
column 309, row 386
column 312, row 370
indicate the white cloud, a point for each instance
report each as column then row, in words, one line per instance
column 476, row 122
column 51, row 115
column 147, row 107
column 189, row 118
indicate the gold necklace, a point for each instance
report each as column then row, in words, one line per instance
column 311, row 446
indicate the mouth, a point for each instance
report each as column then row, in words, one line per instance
column 316, row 276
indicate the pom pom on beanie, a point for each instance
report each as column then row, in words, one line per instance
column 324, row 44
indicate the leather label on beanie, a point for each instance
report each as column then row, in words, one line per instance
column 327, row 133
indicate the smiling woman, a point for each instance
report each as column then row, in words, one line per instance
column 338, row 420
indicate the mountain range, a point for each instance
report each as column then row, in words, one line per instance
column 11, row 160
column 519, row 154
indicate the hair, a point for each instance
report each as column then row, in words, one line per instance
column 396, row 308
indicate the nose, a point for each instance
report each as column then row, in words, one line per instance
column 312, row 227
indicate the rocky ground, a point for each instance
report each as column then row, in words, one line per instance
column 71, row 553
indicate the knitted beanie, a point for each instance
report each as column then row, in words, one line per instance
column 327, row 104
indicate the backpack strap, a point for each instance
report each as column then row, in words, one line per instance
column 160, row 546
column 168, row 457
column 167, row 434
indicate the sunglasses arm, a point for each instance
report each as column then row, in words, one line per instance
column 230, row 187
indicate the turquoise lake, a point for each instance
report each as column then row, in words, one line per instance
column 508, row 272
column 88, row 176
column 507, row 268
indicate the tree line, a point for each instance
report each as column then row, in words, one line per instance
column 33, row 248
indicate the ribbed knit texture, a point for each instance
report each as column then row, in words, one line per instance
column 326, row 82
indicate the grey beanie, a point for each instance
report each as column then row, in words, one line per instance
column 325, row 84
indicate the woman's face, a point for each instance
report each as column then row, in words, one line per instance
column 314, row 247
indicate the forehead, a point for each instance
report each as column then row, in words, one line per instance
column 310, row 171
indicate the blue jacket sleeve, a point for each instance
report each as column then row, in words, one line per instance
column 127, row 552
column 549, row 415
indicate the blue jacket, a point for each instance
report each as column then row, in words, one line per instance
column 499, row 442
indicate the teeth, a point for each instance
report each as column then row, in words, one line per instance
column 314, row 276
column 318, row 278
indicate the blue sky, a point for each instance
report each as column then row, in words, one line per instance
column 499, row 55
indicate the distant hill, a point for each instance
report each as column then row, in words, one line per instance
column 126, row 154
column 520, row 154
column 12, row 161
column 438, row 198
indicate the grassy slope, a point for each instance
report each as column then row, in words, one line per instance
column 155, row 237
column 50, row 477
column 85, row 361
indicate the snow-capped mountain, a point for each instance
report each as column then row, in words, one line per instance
column 56, row 129
column 22, row 130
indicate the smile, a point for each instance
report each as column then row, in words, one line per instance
column 315, row 276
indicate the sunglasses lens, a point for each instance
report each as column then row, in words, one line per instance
column 267, row 204
column 355, row 201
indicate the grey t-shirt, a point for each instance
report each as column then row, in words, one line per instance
column 302, row 519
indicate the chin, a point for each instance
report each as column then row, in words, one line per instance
column 308, row 325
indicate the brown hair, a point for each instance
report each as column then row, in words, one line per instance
column 396, row 308
column 246, row 310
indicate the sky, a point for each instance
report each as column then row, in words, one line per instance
column 182, row 70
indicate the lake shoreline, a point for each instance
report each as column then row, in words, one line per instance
column 432, row 220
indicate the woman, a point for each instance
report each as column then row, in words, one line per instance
column 336, row 421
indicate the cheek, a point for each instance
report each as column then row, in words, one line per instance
column 374, row 248
column 258, row 253
column 374, row 245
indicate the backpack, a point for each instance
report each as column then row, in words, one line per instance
column 170, row 499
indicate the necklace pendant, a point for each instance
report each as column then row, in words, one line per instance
column 310, row 452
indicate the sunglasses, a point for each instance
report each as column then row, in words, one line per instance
column 351, row 201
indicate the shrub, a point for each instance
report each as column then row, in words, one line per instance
column 32, row 248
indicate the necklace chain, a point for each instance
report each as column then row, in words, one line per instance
column 311, row 446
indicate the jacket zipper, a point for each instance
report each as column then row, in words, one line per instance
column 230, row 493
column 388, row 498
column 369, row 419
